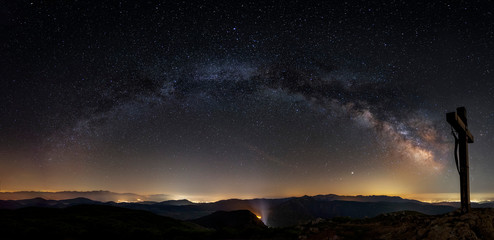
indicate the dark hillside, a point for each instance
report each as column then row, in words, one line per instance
column 92, row 222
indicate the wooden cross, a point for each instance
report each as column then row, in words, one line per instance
column 458, row 120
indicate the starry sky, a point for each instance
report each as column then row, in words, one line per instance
column 210, row 100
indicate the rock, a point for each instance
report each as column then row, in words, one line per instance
column 409, row 225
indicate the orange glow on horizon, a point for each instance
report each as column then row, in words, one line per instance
column 391, row 190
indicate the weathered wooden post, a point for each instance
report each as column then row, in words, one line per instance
column 458, row 120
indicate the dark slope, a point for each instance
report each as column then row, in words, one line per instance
column 241, row 224
column 303, row 209
column 92, row 222
column 108, row 222
column 233, row 219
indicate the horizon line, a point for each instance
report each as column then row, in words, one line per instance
column 422, row 197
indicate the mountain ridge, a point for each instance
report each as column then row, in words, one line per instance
column 96, row 195
column 279, row 212
column 89, row 221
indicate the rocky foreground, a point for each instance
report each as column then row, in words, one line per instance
column 405, row 225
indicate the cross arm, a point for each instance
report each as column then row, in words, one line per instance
column 455, row 121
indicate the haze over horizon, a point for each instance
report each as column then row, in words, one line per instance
column 210, row 101
column 105, row 196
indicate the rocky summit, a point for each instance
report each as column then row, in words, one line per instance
column 479, row 224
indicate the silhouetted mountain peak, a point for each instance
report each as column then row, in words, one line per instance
column 235, row 219
column 181, row 202
column 79, row 200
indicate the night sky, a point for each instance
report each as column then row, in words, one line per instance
column 208, row 101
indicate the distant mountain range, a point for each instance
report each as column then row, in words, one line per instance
column 273, row 212
column 102, row 196
column 474, row 204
